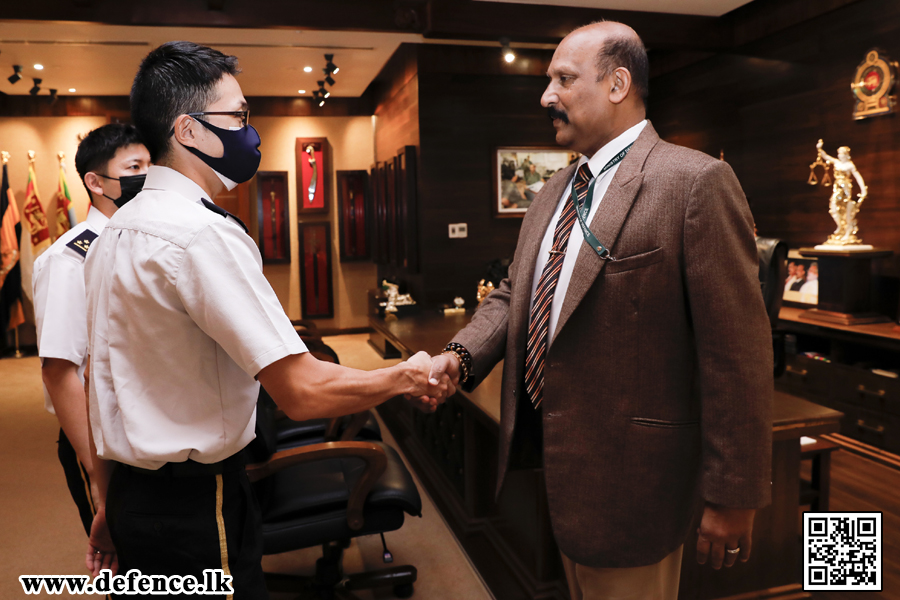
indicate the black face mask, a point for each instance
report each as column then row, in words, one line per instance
column 131, row 185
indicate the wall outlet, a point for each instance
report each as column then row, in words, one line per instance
column 459, row 230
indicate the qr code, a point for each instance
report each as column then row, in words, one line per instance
column 842, row 551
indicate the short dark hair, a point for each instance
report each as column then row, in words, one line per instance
column 628, row 52
column 174, row 79
column 100, row 146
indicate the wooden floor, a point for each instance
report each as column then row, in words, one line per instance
column 858, row 484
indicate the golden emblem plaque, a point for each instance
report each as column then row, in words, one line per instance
column 872, row 86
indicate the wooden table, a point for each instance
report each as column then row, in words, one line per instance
column 510, row 540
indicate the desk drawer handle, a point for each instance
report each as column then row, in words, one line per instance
column 862, row 425
column 796, row 371
column 865, row 392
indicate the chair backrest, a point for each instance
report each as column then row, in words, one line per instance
column 772, row 271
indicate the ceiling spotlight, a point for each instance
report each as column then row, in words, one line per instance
column 52, row 99
column 322, row 91
column 508, row 55
column 321, row 103
column 330, row 67
column 328, row 78
column 71, row 90
column 39, row 67
column 307, row 69
column 37, row 87
column 17, row 74
column 298, row 91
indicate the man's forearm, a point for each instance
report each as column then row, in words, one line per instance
column 66, row 391
column 307, row 388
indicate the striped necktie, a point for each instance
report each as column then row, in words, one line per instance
column 539, row 325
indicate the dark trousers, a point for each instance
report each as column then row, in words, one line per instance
column 166, row 523
column 78, row 481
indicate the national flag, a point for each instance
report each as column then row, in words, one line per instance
column 35, row 235
column 65, row 212
column 11, row 315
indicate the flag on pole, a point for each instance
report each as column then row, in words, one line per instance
column 35, row 235
column 65, row 212
column 11, row 315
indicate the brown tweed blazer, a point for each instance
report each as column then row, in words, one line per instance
column 658, row 382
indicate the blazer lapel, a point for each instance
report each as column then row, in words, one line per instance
column 533, row 228
column 608, row 221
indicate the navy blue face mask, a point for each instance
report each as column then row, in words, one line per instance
column 240, row 160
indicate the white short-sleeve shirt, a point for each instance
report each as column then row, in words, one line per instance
column 180, row 321
column 59, row 299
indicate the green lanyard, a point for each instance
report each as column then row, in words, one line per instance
column 585, row 210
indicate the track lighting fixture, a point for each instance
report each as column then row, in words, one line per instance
column 53, row 98
column 17, row 74
column 322, row 91
column 328, row 78
column 508, row 55
column 37, row 87
column 330, row 67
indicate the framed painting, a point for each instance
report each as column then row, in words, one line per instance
column 519, row 174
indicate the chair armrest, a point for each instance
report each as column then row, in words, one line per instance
column 356, row 424
column 374, row 457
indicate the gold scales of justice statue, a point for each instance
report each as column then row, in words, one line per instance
column 844, row 261
column 843, row 207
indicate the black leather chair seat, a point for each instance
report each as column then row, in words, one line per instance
column 308, row 502
column 291, row 434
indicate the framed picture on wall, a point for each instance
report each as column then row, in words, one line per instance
column 519, row 174
column 316, row 292
column 801, row 288
column 313, row 175
column 272, row 215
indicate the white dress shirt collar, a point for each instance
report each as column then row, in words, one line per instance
column 96, row 220
column 169, row 180
column 607, row 152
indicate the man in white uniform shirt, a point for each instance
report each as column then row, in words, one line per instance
column 183, row 329
column 112, row 162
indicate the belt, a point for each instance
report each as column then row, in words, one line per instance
column 192, row 468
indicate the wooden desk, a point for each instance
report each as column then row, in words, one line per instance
column 510, row 539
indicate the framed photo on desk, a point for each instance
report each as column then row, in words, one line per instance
column 801, row 288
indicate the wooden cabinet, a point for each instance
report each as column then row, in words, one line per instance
column 854, row 377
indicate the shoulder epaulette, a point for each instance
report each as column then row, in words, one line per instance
column 82, row 242
column 221, row 211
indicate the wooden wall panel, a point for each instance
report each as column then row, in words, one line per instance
column 766, row 105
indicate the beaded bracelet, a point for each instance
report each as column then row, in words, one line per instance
column 464, row 358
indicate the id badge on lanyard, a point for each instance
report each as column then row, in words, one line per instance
column 585, row 209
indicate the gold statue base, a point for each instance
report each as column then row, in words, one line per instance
column 826, row 247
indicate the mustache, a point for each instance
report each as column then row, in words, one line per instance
column 555, row 113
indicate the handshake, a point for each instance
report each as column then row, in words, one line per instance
column 430, row 380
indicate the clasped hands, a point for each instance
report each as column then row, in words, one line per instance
column 433, row 380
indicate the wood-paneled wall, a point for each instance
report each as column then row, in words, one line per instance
column 469, row 102
column 768, row 102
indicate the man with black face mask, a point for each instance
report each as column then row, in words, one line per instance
column 112, row 163
column 183, row 328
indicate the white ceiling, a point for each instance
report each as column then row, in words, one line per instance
column 707, row 8
column 103, row 59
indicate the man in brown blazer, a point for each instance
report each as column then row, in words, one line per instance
column 638, row 357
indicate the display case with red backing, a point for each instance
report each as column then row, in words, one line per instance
column 313, row 175
column 272, row 213
column 316, row 297
column 353, row 214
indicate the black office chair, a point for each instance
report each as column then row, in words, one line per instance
column 772, row 274
column 326, row 494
